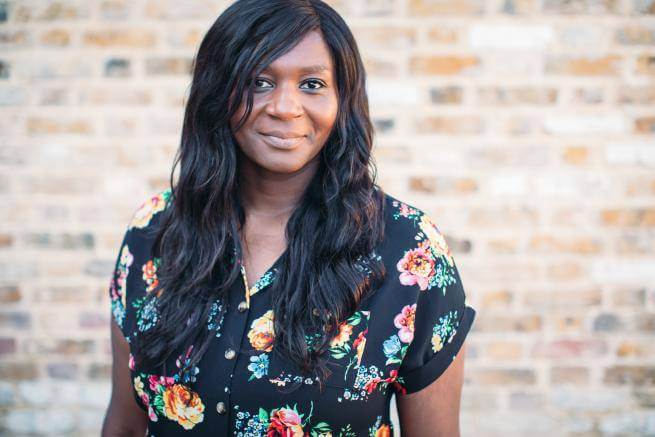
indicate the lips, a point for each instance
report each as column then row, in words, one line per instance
column 282, row 143
column 284, row 135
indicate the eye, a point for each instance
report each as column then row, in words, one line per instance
column 309, row 81
column 259, row 80
column 322, row 85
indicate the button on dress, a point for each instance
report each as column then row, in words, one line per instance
column 401, row 338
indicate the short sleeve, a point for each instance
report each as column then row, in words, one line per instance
column 118, row 284
column 442, row 317
column 135, row 269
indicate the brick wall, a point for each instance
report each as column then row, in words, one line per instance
column 526, row 128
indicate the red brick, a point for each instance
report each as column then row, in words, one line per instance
column 502, row 377
column 565, row 244
column 628, row 217
column 508, row 323
column 630, row 375
column 446, row 65
column 563, row 349
column 547, row 300
column 569, row 375
column 18, row 371
column 423, row 8
column 7, row 346
column 608, row 65
column 10, row 294
column 645, row 125
column 497, row 298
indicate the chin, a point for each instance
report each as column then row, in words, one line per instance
column 285, row 166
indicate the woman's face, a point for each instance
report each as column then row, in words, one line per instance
column 294, row 108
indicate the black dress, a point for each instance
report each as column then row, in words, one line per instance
column 400, row 339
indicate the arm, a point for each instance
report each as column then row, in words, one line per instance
column 434, row 410
column 124, row 418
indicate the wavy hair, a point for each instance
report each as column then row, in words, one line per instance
column 198, row 234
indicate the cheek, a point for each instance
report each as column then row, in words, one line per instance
column 241, row 110
column 236, row 117
column 325, row 117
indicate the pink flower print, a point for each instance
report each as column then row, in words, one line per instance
column 157, row 381
column 404, row 209
column 145, row 400
column 416, row 267
column 404, row 321
column 151, row 413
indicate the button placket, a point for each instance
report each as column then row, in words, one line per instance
column 240, row 340
column 243, row 306
column 238, row 318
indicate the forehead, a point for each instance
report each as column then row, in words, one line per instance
column 310, row 55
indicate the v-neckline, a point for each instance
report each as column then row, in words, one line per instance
column 265, row 279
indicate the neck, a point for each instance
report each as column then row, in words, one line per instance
column 267, row 194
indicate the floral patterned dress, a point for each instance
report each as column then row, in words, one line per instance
column 400, row 339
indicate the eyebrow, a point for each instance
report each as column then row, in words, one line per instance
column 308, row 69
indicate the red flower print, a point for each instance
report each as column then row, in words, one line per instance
column 360, row 337
column 372, row 384
column 392, row 379
column 285, row 422
column 359, row 344
column 150, row 275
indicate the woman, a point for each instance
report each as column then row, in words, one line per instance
column 275, row 289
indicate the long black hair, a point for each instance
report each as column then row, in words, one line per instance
column 198, row 233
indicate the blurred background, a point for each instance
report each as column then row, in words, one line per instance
column 526, row 128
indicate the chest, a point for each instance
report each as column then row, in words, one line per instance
column 262, row 245
column 243, row 387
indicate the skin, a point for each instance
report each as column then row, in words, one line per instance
column 124, row 418
column 287, row 99
column 434, row 410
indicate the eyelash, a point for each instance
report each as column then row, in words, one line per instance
column 308, row 80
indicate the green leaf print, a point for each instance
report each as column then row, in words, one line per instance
column 263, row 415
column 159, row 403
column 321, row 429
column 355, row 318
column 347, row 431
column 305, row 422
column 339, row 352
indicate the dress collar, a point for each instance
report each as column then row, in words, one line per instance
column 264, row 280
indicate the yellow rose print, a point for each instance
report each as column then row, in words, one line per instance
column 261, row 333
column 149, row 208
column 437, row 240
column 183, row 406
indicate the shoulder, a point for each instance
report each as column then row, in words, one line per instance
column 417, row 258
column 140, row 236
column 420, row 305
column 135, row 272
column 414, row 242
column 149, row 208
column 424, row 302
column 142, row 225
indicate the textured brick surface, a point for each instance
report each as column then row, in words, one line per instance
column 525, row 128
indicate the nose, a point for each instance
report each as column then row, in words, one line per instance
column 284, row 102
